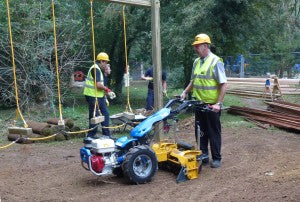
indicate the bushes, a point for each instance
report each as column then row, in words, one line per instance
column 175, row 78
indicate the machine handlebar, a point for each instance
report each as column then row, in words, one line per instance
column 183, row 104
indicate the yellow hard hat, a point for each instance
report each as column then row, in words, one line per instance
column 102, row 56
column 201, row 38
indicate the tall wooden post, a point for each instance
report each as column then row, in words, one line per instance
column 156, row 54
column 156, row 50
column 156, row 58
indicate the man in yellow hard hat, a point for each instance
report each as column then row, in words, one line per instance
column 208, row 83
column 101, row 90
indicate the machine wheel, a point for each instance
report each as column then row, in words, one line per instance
column 140, row 164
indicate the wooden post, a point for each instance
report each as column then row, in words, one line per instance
column 156, row 58
column 156, row 50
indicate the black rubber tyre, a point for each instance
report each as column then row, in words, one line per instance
column 140, row 164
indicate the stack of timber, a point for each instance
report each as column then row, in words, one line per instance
column 282, row 115
column 256, row 87
column 41, row 129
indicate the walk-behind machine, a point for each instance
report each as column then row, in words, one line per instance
column 133, row 158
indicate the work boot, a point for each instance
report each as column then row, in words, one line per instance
column 204, row 158
column 215, row 164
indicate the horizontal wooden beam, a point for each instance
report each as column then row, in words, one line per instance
column 133, row 2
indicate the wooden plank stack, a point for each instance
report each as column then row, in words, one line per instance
column 256, row 87
column 280, row 114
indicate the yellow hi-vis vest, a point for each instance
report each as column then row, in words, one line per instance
column 205, row 87
column 89, row 86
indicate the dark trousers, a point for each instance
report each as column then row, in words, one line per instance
column 150, row 99
column 210, row 127
column 104, row 111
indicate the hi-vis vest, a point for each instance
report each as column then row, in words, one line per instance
column 89, row 87
column 205, row 87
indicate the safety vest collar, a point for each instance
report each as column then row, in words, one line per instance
column 212, row 60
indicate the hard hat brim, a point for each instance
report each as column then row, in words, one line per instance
column 198, row 42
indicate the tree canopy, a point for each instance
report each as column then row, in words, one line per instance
column 267, row 28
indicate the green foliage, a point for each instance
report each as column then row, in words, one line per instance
column 176, row 78
column 32, row 33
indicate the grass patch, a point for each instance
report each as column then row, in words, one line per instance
column 233, row 121
column 230, row 100
column 292, row 98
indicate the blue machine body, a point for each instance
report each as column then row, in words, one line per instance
column 136, row 133
column 145, row 126
column 122, row 142
column 85, row 153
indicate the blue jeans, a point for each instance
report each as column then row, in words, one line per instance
column 150, row 99
column 104, row 111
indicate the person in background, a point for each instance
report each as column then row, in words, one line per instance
column 148, row 76
column 208, row 83
column 102, row 90
column 107, row 72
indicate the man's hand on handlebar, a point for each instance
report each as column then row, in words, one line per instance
column 215, row 108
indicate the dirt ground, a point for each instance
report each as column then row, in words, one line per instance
column 257, row 165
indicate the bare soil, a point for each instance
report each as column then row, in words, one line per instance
column 257, row 165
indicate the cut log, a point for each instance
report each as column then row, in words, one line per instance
column 68, row 122
column 50, row 131
column 22, row 138
column 37, row 127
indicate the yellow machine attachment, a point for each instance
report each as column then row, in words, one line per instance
column 179, row 155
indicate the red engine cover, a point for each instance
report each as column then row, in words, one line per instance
column 97, row 163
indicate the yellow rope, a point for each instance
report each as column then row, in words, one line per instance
column 113, row 127
column 56, row 63
column 8, row 145
column 128, row 107
column 41, row 138
column 14, row 65
column 82, row 131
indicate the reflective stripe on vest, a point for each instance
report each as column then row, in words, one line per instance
column 89, row 87
column 205, row 87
